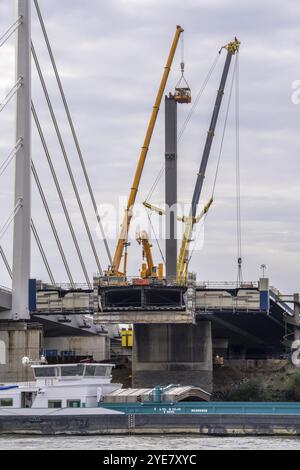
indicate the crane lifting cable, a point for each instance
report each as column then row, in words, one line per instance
column 224, row 128
column 238, row 178
column 182, row 267
column 235, row 80
column 156, row 239
column 182, row 90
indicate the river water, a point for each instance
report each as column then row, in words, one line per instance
column 147, row 443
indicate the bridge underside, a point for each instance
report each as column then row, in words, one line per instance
column 71, row 325
column 249, row 334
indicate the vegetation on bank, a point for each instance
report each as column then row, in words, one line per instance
column 284, row 387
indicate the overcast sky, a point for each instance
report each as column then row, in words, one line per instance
column 111, row 55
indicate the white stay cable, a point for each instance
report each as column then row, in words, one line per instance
column 72, row 127
column 10, row 31
column 10, row 156
column 5, row 260
column 6, row 225
column 11, row 94
column 42, row 252
column 67, row 162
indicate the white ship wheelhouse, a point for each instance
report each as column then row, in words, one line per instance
column 61, row 386
column 72, row 371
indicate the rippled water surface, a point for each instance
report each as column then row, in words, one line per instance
column 147, row 443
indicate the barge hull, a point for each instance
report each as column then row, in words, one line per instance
column 218, row 425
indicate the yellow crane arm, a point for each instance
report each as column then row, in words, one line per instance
column 183, row 260
column 159, row 211
column 144, row 151
column 143, row 239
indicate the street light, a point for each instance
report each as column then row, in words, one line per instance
column 263, row 267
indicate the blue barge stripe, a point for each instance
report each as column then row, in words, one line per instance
column 203, row 408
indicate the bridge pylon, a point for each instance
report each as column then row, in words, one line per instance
column 22, row 234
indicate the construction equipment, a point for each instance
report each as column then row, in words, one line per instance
column 182, row 93
column 148, row 270
column 192, row 219
column 114, row 270
column 183, row 260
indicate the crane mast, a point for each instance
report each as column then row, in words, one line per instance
column 114, row 270
column 183, row 260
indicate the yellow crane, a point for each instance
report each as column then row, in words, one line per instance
column 114, row 270
column 190, row 221
column 148, row 270
column 183, row 259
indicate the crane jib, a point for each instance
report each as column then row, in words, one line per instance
column 114, row 269
column 210, row 136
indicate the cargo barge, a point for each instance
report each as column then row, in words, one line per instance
column 281, row 421
column 79, row 399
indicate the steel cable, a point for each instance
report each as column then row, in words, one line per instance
column 10, row 31
column 238, row 177
column 80, row 155
column 11, row 94
column 10, row 156
column 60, row 197
column 186, row 122
column 59, row 136
column 5, row 260
column 42, row 252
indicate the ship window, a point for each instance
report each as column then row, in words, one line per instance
column 90, row 371
column 72, row 371
column 73, row 403
column 54, row 404
column 44, row 372
column 102, row 371
column 6, row 402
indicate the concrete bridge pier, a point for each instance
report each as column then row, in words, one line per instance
column 18, row 339
column 166, row 354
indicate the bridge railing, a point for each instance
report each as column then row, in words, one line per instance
column 63, row 286
column 227, row 285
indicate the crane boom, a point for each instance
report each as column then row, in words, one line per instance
column 183, row 259
column 115, row 268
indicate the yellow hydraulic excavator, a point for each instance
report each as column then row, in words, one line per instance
column 114, row 270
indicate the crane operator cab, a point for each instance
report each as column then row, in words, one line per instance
column 182, row 90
